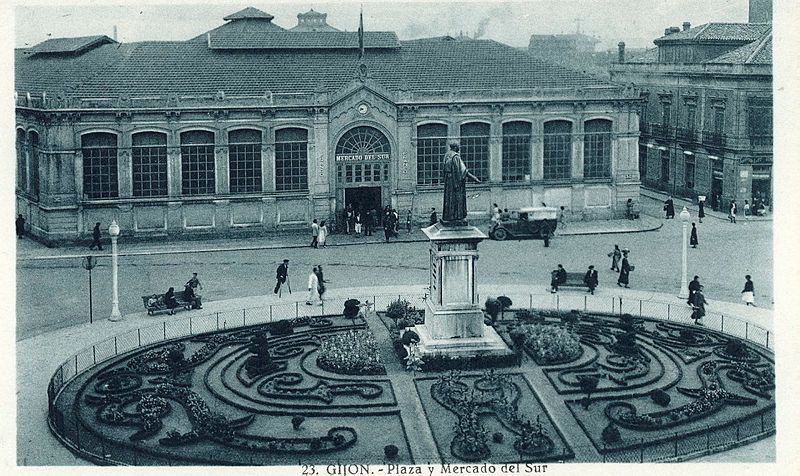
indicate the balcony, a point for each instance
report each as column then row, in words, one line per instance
column 686, row 135
column 661, row 131
column 713, row 139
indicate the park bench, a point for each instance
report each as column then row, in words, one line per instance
column 155, row 302
column 574, row 280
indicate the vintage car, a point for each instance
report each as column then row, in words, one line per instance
column 529, row 222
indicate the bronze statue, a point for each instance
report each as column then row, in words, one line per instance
column 454, row 176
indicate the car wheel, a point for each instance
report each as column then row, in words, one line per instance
column 500, row 234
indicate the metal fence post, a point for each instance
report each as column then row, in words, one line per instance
column 676, row 444
column 190, row 326
column 244, row 317
column 722, row 323
column 165, row 330
column 767, row 345
column 94, row 355
column 746, row 325
column 620, row 305
column 708, row 437
column 297, row 309
column 668, row 309
column 115, row 344
column 641, row 451
column 640, row 308
column 323, row 308
column 270, row 313
column 612, row 305
column 584, row 303
column 139, row 336
column 76, row 364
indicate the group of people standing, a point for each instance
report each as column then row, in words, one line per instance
column 319, row 234
column 621, row 264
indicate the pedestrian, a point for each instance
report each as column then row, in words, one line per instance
column 190, row 291
column 495, row 213
column 434, row 218
column 313, row 285
column 194, row 283
column 699, row 306
column 562, row 220
column 624, row 270
column 746, row 209
column 694, row 285
column 320, row 283
column 507, row 215
column 591, row 279
column 615, row 257
column 96, row 238
column 669, row 207
column 408, row 222
column 349, row 217
column 732, row 212
column 314, row 233
column 358, row 223
column 369, row 224
column 701, row 209
column 396, row 221
column 281, row 275
column 629, row 209
column 748, row 295
column 554, row 281
column 693, row 238
column 388, row 225
column 19, row 223
column 323, row 234
column 170, row 301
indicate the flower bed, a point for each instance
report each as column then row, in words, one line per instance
column 351, row 353
column 550, row 344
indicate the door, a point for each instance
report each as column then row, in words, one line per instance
column 363, row 198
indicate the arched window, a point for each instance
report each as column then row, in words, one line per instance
column 22, row 161
column 516, row 151
column 557, row 158
column 99, row 165
column 33, row 160
column 291, row 159
column 597, row 149
column 431, row 147
column 244, row 160
column 197, row 163
column 149, row 162
column 475, row 149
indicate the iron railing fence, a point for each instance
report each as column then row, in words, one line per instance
column 82, row 440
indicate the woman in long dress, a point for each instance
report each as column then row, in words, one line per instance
column 699, row 306
column 624, row 270
column 323, row 234
column 693, row 239
column 748, row 295
column 615, row 256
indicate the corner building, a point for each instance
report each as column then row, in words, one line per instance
column 251, row 127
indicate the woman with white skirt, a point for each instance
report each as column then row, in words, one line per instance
column 748, row 295
column 323, row 234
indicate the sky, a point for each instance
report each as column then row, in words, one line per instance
column 637, row 22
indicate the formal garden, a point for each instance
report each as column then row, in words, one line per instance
column 353, row 387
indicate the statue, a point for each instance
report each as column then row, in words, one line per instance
column 454, row 176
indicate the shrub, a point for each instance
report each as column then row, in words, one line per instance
column 736, row 348
column 297, row 421
column 505, row 303
column 588, row 384
column 352, row 352
column 492, row 307
column 390, row 451
column 400, row 309
column 280, row 328
column 550, row 344
column 626, row 322
column 497, row 437
column 660, row 397
column 351, row 308
column 611, row 434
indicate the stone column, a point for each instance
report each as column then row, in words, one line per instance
column 221, row 173
column 537, row 151
column 125, row 172
column 78, row 160
column 496, row 152
column 268, row 166
column 173, row 170
column 577, row 149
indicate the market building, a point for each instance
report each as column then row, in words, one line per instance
column 253, row 127
column 706, row 122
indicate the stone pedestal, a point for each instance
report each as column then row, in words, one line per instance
column 453, row 317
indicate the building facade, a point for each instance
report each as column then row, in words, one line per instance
column 250, row 127
column 706, row 121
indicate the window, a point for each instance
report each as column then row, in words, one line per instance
column 664, row 166
column 666, row 111
column 719, row 120
column 244, row 161
column 557, row 160
column 33, row 159
column 688, row 171
column 759, row 120
column 516, row 151
column 149, row 161
column 197, row 163
column 22, row 161
column 597, row 149
column 99, row 165
column 431, row 147
column 691, row 116
column 291, row 160
column 642, row 162
column 475, row 149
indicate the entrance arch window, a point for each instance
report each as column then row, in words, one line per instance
column 597, row 149
column 362, row 156
column 22, row 161
column 149, row 161
column 244, row 160
column 516, row 151
column 197, row 163
column 99, row 166
column 475, row 149
column 291, row 159
column 431, row 147
column 557, row 158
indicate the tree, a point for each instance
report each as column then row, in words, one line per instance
column 492, row 306
column 505, row 303
column 588, row 385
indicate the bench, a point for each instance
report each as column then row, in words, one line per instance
column 574, row 280
column 155, row 303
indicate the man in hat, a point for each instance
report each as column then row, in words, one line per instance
column 454, row 177
column 590, row 279
column 280, row 275
column 96, row 238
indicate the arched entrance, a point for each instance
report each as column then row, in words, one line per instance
column 362, row 158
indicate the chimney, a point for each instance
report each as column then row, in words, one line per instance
column 686, row 25
column 674, row 29
column 667, row 31
column 621, row 52
column 115, row 33
column 208, row 39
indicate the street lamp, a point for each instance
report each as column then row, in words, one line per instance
column 89, row 262
column 113, row 230
column 685, row 217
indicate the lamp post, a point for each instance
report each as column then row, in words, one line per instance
column 685, row 217
column 113, row 230
column 89, row 262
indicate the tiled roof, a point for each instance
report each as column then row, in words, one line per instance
column 69, row 45
column 248, row 12
column 719, row 32
column 756, row 52
column 285, row 40
column 191, row 68
column 242, row 27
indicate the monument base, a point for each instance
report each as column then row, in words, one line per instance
column 489, row 344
